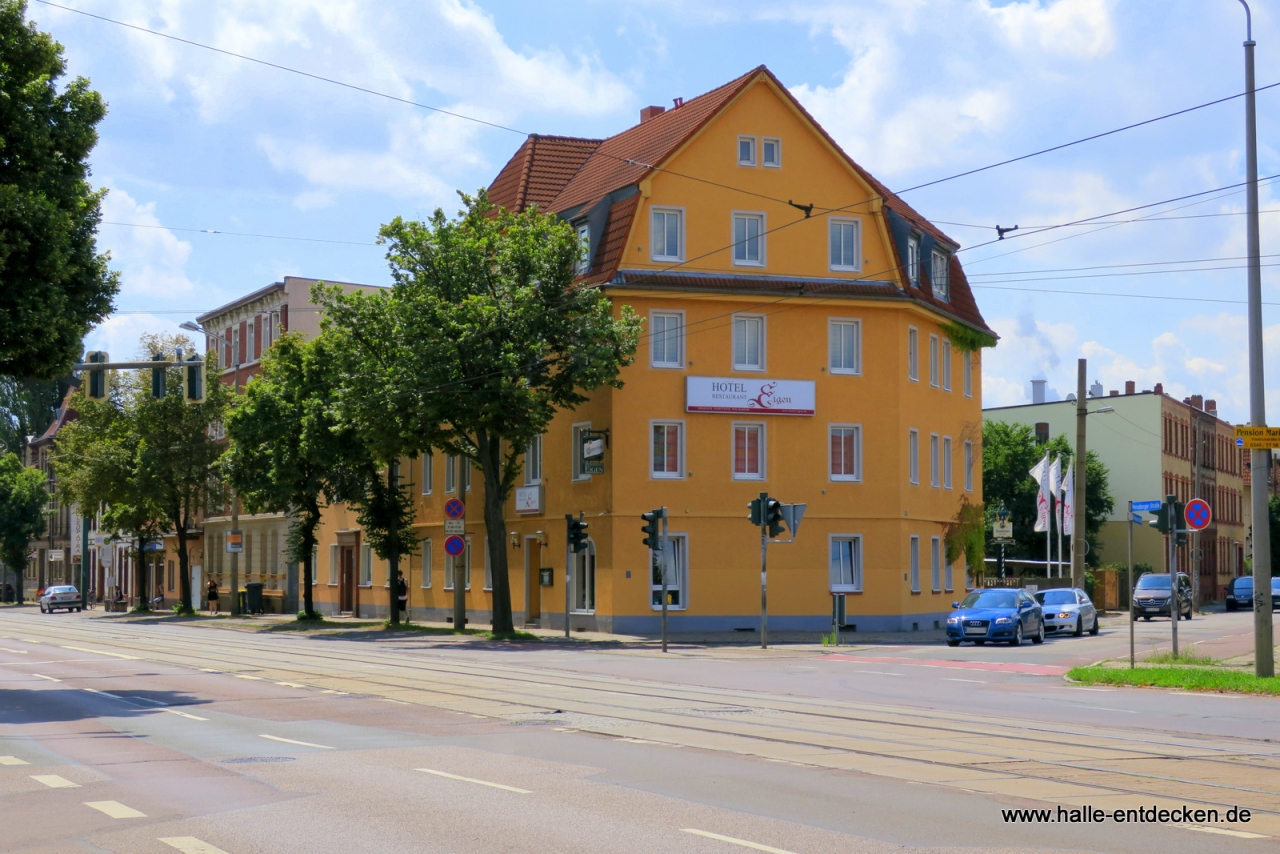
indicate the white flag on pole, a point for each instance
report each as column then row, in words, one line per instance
column 1041, row 473
column 1055, row 488
column 1069, row 502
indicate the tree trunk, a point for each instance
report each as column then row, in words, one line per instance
column 140, row 576
column 184, row 569
column 307, row 538
column 495, row 524
column 393, row 558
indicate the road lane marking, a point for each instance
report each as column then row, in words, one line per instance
column 976, row 681
column 143, row 700
column 292, row 741
column 291, row 684
column 401, row 702
column 13, row 760
column 42, row 676
column 1240, row 834
column 53, row 781
column 191, row 845
column 247, row 676
column 207, row 670
column 184, row 714
column 18, row 651
column 733, row 840
column 473, row 780
column 30, row 640
column 115, row 809
column 1081, row 688
column 102, row 693
column 102, row 652
column 1106, row 709
column 878, row 673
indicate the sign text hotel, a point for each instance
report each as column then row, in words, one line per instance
column 754, row 396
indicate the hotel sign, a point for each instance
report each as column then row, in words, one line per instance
column 756, row 396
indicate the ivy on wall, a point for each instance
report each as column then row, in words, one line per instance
column 967, row 340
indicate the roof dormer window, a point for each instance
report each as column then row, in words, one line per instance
column 938, row 276
column 583, row 264
column 746, row 151
column 913, row 260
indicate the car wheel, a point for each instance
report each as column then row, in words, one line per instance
column 953, row 643
column 1094, row 629
column 1231, row 606
column 1017, row 635
column 1190, row 613
column 979, row 643
column 42, row 609
column 1039, row 636
column 1079, row 625
column 1146, row 617
column 78, row 610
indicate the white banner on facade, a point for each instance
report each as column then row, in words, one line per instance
column 755, row 396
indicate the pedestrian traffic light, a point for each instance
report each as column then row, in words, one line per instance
column 96, row 385
column 193, row 388
column 650, row 528
column 158, row 377
column 773, row 517
column 577, row 533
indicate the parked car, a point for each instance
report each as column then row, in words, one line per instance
column 1151, row 596
column 996, row 615
column 1240, row 593
column 60, row 596
column 1068, row 609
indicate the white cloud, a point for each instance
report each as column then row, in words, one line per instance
column 1075, row 28
column 119, row 334
column 150, row 258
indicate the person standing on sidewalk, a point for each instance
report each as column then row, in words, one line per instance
column 402, row 593
column 212, row 593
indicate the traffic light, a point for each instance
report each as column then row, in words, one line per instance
column 1178, row 522
column 158, row 377
column 652, row 539
column 773, row 517
column 1161, row 522
column 755, row 513
column 577, row 533
column 96, row 385
column 193, row 388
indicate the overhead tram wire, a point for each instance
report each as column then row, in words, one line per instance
column 238, row 233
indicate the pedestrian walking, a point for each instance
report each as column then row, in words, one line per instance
column 212, row 593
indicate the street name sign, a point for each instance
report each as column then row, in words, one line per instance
column 1145, row 506
column 1198, row 514
column 455, row 526
column 1002, row 530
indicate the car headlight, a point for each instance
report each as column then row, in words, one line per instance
column 1064, row 615
column 1002, row 620
column 951, row 621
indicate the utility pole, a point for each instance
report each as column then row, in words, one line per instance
column 1130, row 583
column 1079, row 527
column 235, row 505
column 764, row 570
column 1263, row 638
column 666, row 555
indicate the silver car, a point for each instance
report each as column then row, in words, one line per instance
column 60, row 596
column 1068, row 609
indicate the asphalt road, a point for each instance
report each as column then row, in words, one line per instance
column 124, row 736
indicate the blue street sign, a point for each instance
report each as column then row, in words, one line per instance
column 1240, row 443
column 1145, row 506
column 1135, row 518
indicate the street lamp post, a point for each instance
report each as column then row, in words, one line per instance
column 1262, row 629
column 235, row 505
column 1077, row 501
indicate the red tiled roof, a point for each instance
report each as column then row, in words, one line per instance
column 613, row 242
column 539, row 170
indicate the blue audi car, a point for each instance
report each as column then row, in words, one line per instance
column 1007, row 616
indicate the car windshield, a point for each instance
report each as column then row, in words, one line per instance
column 1149, row 582
column 1244, row 583
column 1275, row 583
column 1057, row 597
column 991, row 599
column 62, row 590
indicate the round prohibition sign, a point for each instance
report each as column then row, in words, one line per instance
column 455, row 545
column 455, row 509
column 1198, row 514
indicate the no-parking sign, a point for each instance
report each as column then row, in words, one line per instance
column 455, row 545
column 1198, row 514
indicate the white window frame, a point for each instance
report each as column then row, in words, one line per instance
column 946, row 462
column 464, row 473
column 777, row 152
column 681, row 574
column 583, row 231
column 249, row 329
column 913, row 354
column 856, row 266
column 933, row 360
column 913, row 557
column 428, row 563
column 946, row 364
column 855, row 569
column 939, row 276
column 733, row 449
column 428, row 472
column 366, row 565
column 967, row 366
column 667, row 314
column 856, row 477
column 933, row 461
column 680, row 426
column 333, row 565
column 948, row 579
column 488, row 565
column 575, row 452
column 760, row 217
column 968, row 466
column 754, row 151
column 913, row 260
column 450, row 473
column 836, row 325
column 913, row 457
column 761, row 320
column 653, row 231
column 533, row 462
column 581, row 560
column 935, row 563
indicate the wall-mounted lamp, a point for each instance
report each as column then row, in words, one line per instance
column 542, row 537
column 515, row 539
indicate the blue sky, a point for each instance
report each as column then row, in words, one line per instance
column 913, row 89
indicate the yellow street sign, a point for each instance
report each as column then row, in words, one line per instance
column 1254, row 443
column 1257, row 438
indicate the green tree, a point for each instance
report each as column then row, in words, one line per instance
column 1009, row 451
column 28, row 407
column 54, row 285
column 287, row 453
column 482, row 339
column 162, row 448
column 22, row 516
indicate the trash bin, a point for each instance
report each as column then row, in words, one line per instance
column 253, row 597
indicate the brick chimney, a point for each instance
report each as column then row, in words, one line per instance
column 1197, row 401
column 1114, row 393
column 1130, row 387
column 647, row 113
column 1211, row 407
column 1159, row 388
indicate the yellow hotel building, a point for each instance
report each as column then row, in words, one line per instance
column 806, row 353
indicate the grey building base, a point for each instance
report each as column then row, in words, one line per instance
column 677, row 622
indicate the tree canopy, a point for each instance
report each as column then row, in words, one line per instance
column 1009, row 451
column 54, row 285
column 22, row 515
column 482, row 339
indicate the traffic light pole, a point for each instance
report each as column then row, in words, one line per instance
column 568, row 571
column 662, row 563
column 1130, row 582
column 1175, row 608
column 764, row 571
